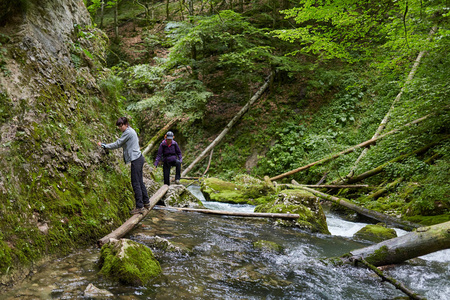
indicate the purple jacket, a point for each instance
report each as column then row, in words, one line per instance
column 168, row 154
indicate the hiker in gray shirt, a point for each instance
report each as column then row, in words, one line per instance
column 131, row 153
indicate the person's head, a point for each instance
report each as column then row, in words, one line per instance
column 169, row 136
column 122, row 123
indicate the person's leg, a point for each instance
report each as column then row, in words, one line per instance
column 166, row 171
column 177, row 170
column 145, row 198
column 135, row 183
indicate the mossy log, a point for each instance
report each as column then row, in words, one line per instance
column 383, row 190
column 239, row 214
column 229, row 126
column 381, row 168
column 158, row 136
column 331, row 186
column 363, row 211
column 423, row 241
column 135, row 219
column 349, row 150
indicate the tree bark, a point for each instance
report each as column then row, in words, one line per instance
column 363, row 211
column 331, row 186
column 239, row 214
column 158, row 136
column 423, row 241
column 391, row 109
column 228, row 127
column 383, row 190
column 135, row 219
column 209, row 163
column 351, row 149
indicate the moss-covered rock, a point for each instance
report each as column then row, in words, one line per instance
column 299, row 202
column 375, row 233
column 179, row 196
column 156, row 242
column 268, row 246
column 244, row 191
column 128, row 262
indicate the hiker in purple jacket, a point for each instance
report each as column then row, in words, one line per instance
column 170, row 154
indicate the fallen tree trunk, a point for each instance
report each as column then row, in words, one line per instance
column 351, row 149
column 380, row 168
column 135, row 219
column 423, row 241
column 229, row 126
column 361, row 210
column 391, row 109
column 209, row 163
column 383, row 190
column 398, row 285
column 158, row 136
column 239, row 214
column 331, row 186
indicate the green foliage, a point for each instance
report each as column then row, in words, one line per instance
column 354, row 30
column 112, row 87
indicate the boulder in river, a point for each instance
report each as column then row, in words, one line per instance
column 128, row 262
column 375, row 233
column 246, row 190
column 305, row 204
column 92, row 291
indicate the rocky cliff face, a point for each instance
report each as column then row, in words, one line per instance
column 57, row 189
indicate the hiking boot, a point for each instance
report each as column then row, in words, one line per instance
column 137, row 211
column 147, row 205
column 177, row 181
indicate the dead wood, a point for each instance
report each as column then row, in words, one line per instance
column 423, row 241
column 229, row 126
column 363, row 211
column 349, row 150
column 158, row 136
column 391, row 109
column 135, row 219
column 239, row 214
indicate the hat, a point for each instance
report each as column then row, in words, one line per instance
column 169, row 135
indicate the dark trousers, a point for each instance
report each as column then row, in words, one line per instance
column 137, row 182
column 166, row 170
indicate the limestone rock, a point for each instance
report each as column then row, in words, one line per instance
column 128, row 262
column 305, row 204
column 92, row 291
column 179, row 196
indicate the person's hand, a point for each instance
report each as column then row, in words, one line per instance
column 103, row 145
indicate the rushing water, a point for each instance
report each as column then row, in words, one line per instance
column 225, row 265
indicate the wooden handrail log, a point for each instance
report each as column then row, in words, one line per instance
column 238, row 214
column 135, row 219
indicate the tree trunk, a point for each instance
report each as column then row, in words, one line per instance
column 379, row 169
column 228, row 127
column 331, row 186
column 383, row 190
column 351, row 149
column 391, row 109
column 102, row 13
column 423, row 241
column 135, row 219
column 363, row 211
column 239, row 214
column 167, row 10
column 158, row 136
column 116, row 14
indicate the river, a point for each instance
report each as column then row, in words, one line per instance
column 225, row 265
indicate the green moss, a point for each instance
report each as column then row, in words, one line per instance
column 219, row 190
column 311, row 215
column 375, row 233
column 379, row 255
column 429, row 220
column 128, row 262
column 267, row 246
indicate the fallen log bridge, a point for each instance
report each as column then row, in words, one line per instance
column 135, row 219
column 239, row 214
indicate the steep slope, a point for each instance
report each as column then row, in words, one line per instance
column 57, row 189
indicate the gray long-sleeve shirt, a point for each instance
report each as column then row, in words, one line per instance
column 130, row 143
